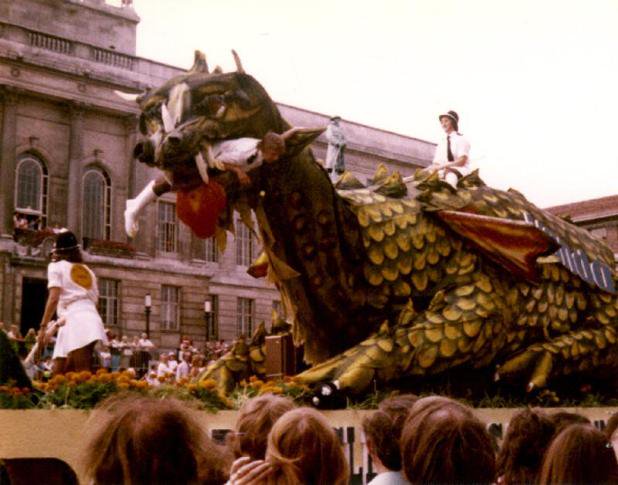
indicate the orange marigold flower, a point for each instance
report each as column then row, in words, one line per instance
column 208, row 384
column 123, row 385
column 84, row 375
column 71, row 376
column 58, row 379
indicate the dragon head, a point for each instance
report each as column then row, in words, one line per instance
column 192, row 110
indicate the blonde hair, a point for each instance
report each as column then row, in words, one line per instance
column 303, row 448
column 255, row 420
column 137, row 439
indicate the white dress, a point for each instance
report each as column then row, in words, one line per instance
column 77, row 305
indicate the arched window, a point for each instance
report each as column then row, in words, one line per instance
column 31, row 191
column 96, row 206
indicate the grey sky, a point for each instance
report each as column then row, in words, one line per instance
column 534, row 82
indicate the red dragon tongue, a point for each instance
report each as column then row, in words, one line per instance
column 200, row 208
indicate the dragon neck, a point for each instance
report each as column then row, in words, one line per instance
column 306, row 225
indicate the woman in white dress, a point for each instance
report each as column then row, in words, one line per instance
column 73, row 295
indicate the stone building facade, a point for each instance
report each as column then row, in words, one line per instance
column 65, row 161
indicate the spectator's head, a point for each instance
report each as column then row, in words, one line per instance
column 580, row 454
column 125, row 339
column 186, row 356
column 443, row 442
column 172, row 355
column 303, row 448
column 256, row 417
column 527, row 438
column 31, row 332
column 66, row 248
column 564, row 419
column 163, row 358
column 144, row 335
column 383, row 430
column 197, row 361
column 145, row 440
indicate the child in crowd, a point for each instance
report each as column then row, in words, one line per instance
column 256, row 417
column 443, row 442
column 383, row 432
column 137, row 439
column 302, row 448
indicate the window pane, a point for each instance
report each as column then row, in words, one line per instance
column 244, row 245
column 94, row 205
column 108, row 301
column 29, row 185
column 169, row 307
column 244, row 317
column 166, row 240
column 210, row 250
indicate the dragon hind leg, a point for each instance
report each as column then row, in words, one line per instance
column 466, row 324
column 574, row 352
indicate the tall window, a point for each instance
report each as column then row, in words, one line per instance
column 170, row 296
column 167, row 227
column 96, row 206
column 210, row 250
column 31, row 191
column 215, row 316
column 109, row 307
column 244, row 245
column 244, row 316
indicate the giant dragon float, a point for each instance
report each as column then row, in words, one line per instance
column 390, row 278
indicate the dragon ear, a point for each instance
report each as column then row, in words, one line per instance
column 301, row 138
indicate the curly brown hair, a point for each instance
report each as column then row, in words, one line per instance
column 383, row 429
column 443, row 442
column 580, row 454
column 256, row 417
column 527, row 438
column 136, row 439
column 303, row 448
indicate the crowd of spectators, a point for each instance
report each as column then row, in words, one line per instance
column 136, row 353
column 410, row 440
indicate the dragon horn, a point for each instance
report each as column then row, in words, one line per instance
column 239, row 67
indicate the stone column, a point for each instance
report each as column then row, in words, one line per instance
column 76, row 154
column 8, row 141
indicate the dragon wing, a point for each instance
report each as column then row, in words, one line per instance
column 578, row 250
